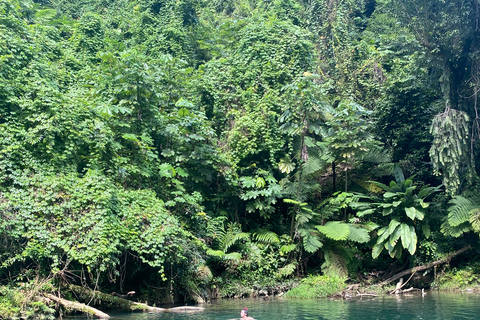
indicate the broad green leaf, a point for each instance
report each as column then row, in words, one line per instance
column 130, row 136
column 389, row 195
column 377, row 249
column 406, row 236
column 392, row 226
column 413, row 241
column 184, row 103
column 398, row 173
column 419, row 214
column 426, row 229
column 381, row 230
column 247, row 182
column 410, row 213
column 365, row 212
column 395, row 236
column 215, row 253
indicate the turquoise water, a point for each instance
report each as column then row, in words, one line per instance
column 433, row 306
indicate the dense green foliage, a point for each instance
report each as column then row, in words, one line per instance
column 176, row 148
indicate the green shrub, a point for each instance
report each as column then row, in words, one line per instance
column 457, row 279
column 15, row 303
column 317, row 287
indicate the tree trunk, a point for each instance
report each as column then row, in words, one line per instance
column 77, row 306
column 425, row 266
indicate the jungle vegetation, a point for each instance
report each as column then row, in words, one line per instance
column 190, row 148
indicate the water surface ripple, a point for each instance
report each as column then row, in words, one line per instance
column 433, row 306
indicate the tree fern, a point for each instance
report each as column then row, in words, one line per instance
column 377, row 155
column 314, row 164
column 475, row 218
column 287, row 248
column 265, row 236
column 463, row 216
column 459, row 210
column 335, row 230
column 336, row 261
column 310, row 240
column 235, row 256
column 232, row 237
column 358, row 234
column 457, row 231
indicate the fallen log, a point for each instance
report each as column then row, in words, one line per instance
column 366, row 295
column 77, row 306
column 184, row 309
column 117, row 302
column 425, row 266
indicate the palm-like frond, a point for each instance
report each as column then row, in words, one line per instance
column 265, row 236
column 455, row 231
column 310, row 240
column 459, row 210
column 236, row 256
column 335, row 230
column 377, row 155
column 216, row 227
column 314, row 164
column 336, row 261
column 231, row 238
column 358, row 234
column 287, row 248
column 475, row 218
column 215, row 253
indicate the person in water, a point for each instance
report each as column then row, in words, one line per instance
column 244, row 314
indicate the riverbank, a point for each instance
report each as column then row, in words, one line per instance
column 28, row 301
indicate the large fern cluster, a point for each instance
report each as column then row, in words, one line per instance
column 463, row 216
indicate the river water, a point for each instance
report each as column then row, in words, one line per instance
column 432, row 306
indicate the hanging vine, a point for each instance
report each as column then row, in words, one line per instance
column 449, row 151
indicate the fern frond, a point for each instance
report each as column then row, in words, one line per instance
column 458, row 212
column 377, row 155
column 231, row 238
column 235, row 256
column 286, row 271
column 314, row 164
column 287, row 248
column 215, row 253
column 335, row 264
column 303, row 217
column 475, row 218
column 216, row 227
column 265, row 236
column 301, row 204
column 457, row 231
column 310, row 240
column 358, row 234
column 335, row 230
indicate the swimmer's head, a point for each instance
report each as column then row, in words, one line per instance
column 244, row 312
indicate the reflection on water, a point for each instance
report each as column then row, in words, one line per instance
column 433, row 306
